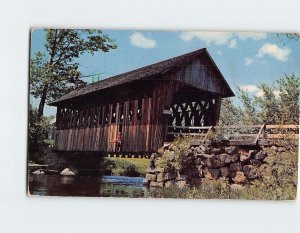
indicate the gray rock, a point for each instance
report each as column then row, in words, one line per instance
column 231, row 158
column 212, row 174
column 146, row 182
column 151, row 177
column 67, row 172
column 169, row 183
column 251, row 172
column 156, row 184
column 244, row 158
column 199, row 151
column 160, row 177
column 281, row 149
column 181, row 184
column 38, row 172
column 196, row 182
column 252, row 153
column 151, row 170
column 213, row 162
column 238, row 177
column 158, row 170
column 217, row 151
column 261, row 155
column 204, row 156
column 228, row 158
column 255, row 162
column 170, row 176
column 181, row 177
column 198, row 161
column 236, row 166
column 231, row 149
column 225, row 171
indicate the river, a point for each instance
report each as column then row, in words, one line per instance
column 106, row 186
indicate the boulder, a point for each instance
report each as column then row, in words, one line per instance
column 261, row 155
column 160, row 177
column 67, row 172
column 251, row 172
column 151, row 170
column 245, row 158
column 225, row 171
column 156, row 184
column 196, row 182
column 213, row 162
column 198, row 150
column 204, row 156
column 236, row 167
column 197, row 161
column 232, row 158
column 169, row 183
column 181, row 177
column 231, row 150
column 217, row 151
column 212, row 174
column 38, row 172
column 238, row 177
column 255, row 162
column 170, row 176
column 146, row 182
column 181, row 184
column 151, row 177
column 154, row 156
column 251, row 153
column 158, row 170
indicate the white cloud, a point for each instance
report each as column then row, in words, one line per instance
column 251, row 35
column 139, row 40
column 217, row 38
column 249, row 88
column 260, row 93
column 248, row 61
column 232, row 43
column 274, row 51
column 221, row 38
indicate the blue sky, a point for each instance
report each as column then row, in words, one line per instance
column 244, row 58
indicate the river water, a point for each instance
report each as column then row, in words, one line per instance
column 106, row 186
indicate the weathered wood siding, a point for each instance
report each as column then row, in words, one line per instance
column 200, row 73
column 96, row 128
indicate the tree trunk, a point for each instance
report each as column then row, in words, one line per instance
column 42, row 101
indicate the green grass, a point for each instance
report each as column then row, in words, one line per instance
column 129, row 166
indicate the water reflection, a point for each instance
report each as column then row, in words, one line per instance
column 107, row 186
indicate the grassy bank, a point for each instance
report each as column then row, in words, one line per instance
column 133, row 167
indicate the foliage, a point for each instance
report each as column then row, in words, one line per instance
column 277, row 104
column 127, row 167
column 230, row 114
column 56, row 72
column 38, row 129
column 175, row 159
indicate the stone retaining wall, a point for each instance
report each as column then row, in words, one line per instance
column 203, row 164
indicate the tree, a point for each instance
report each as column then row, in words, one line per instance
column 249, row 108
column 230, row 114
column 289, row 91
column 55, row 73
column 37, row 133
column 278, row 104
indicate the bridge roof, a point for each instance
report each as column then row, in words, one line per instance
column 149, row 71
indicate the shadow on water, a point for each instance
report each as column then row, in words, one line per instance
column 107, row 186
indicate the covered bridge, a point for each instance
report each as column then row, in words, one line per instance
column 131, row 112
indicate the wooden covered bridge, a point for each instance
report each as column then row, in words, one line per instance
column 132, row 112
